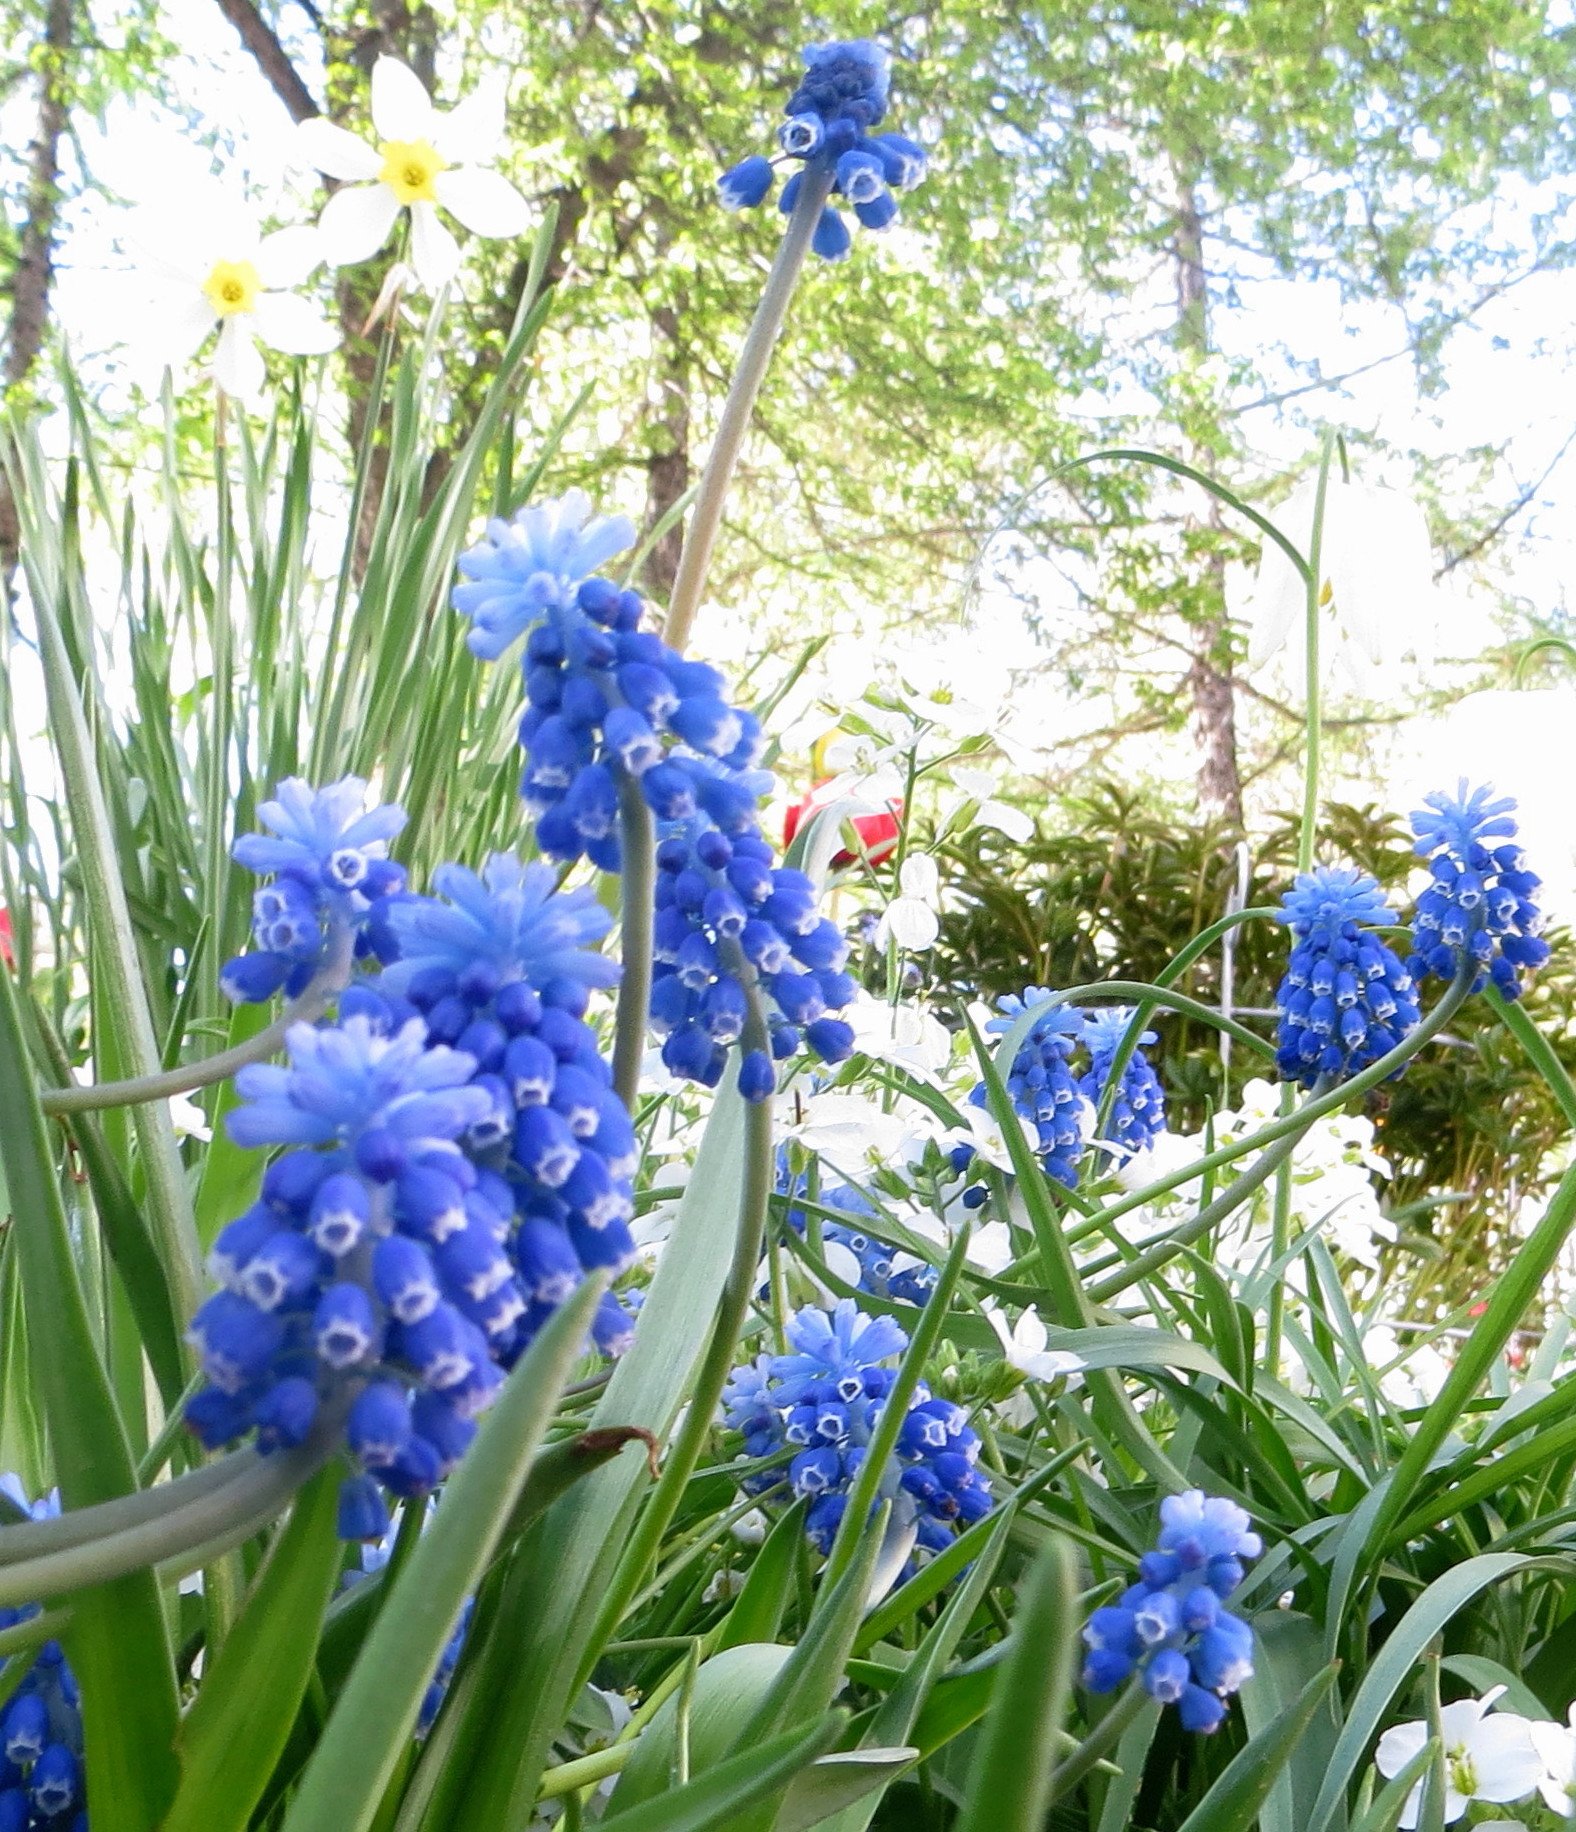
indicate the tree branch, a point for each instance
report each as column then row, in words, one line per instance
column 271, row 58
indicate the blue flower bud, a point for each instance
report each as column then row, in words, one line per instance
column 1167, row 1676
column 379, row 1426
column 757, row 1077
column 340, row 1213
column 345, row 1329
column 24, row 1730
column 404, row 1278
column 1200, row 1711
column 235, row 1339
column 285, row 1414
column 281, row 1272
column 442, row 1347
column 831, row 240
column 55, row 1781
column 362, row 1511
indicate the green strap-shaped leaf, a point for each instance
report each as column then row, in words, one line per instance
column 238, row 1726
column 1240, row 1790
column 1010, row 1777
column 344, row 1782
column 117, row 1641
column 724, row 1797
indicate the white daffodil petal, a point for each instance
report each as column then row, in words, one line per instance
column 289, row 256
column 434, row 253
column 287, row 322
column 320, row 146
column 237, row 362
column 911, row 924
column 179, row 322
column 356, row 222
column 486, row 203
column 401, row 106
column 471, row 133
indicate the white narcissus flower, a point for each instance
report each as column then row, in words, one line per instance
column 1023, row 1346
column 1556, row 1744
column 906, row 1035
column 213, row 266
column 1489, row 1755
column 423, row 159
column 911, row 918
column 1375, row 576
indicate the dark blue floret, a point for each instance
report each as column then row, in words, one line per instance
column 1479, row 906
column 1345, row 999
column 883, row 1271
column 1041, row 1082
column 822, row 1402
column 331, row 884
column 1170, row 1627
column 40, row 1721
column 841, row 97
column 1138, row 1109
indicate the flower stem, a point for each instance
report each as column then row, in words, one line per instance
column 1313, row 594
column 320, row 993
column 706, row 517
column 1104, row 1736
column 637, row 843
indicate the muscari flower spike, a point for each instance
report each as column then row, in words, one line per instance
column 724, row 910
column 1170, row 1627
column 608, row 702
column 41, row 1781
column 1479, row 905
column 1345, row 999
column 841, row 96
column 1138, row 1108
column 822, row 1401
column 883, row 1271
column 1041, row 1082
column 459, row 1161
column 331, row 881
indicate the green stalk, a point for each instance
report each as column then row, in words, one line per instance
column 1104, row 1736
column 138, row 1090
column 706, row 517
column 637, row 842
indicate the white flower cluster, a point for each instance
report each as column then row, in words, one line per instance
column 207, row 264
column 1490, row 1755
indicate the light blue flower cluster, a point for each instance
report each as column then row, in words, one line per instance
column 331, row 880
column 459, row 1161
column 607, row 702
column 41, row 1721
column 1345, row 999
column 1138, row 1107
column 722, row 908
column 1170, row 1627
column 841, row 96
column 1479, row 906
column 883, row 1271
column 1041, row 1083
column 822, row 1401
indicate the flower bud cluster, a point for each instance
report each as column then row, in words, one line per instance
column 722, row 908
column 1345, row 999
column 40, row 1722
column 1041, row 1083
column 331, row 880
column 883, row 1271
column 822, row 1403
column 1171, row 1627
column 1138, row 1108
column 841, row 96
column 1479, row 904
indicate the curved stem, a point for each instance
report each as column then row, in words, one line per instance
column 319, row 994
column 636, row 840
column 1104, row 1736
column 706, row 517
column 1544, row 645
column 36, row 1538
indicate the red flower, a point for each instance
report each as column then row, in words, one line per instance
column 7, row 950
column 878, row 833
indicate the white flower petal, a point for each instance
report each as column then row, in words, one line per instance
column 179, row 325
column 287, row 322
column 289, row 256
column 320, row 146
column 401, row 106
column 434, row 253
column 486, row 203
column 910, row 923
column 356, row 222
column 1006, row 819
column 471, row 133
column 920, row 877
column 237, row 363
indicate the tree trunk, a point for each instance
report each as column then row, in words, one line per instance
column 668, row 466
column 33, row 278
column 1213, row 713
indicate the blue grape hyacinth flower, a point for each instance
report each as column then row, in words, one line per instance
column 883, row 1271
column 1041, row 1082
column 1138, row 1108
column 1345, row 999
column 331, row 879
column 1171, row 1627
column 841, row 96
column 41, row 1773
column 608, row 703
column 1479, row 904
column 726, row 911
column 821, row 1402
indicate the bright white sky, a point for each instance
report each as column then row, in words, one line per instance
column 1508, row 382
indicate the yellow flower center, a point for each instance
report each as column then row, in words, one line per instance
column 232, row 287
column 409, row 167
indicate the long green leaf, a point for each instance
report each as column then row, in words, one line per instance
column 1240, row 1790
column 117, row 1641
column 377, row 1711
column 725, row 1797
